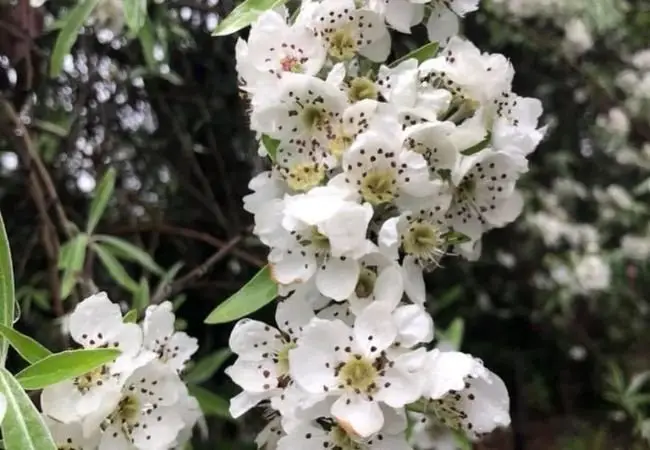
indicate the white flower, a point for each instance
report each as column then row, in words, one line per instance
column 347, row 31
column 593, row 273
column 429, row 434
column 463, row 394
column 443, row 21
column 578, row 37
column 351, row 365
column 270, row 435
column 145, row 414
column 485, row 192
column 96, row 323
column 190, row 412
column 70, row 436
column 438, row 142
column 173, row 348
column 378, row 170
column 330, row 235
column 515, row 124
column 636, row 247
column 291, row 49
column 304, row 108
column 338, row 435
column 262, row 368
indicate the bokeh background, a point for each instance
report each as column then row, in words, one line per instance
column 557, row 304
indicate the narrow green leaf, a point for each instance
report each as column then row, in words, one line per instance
column 23, row 427
column 135, row 13
column 71, row 260
column 271, row 146
column 205, row 368
column 427, row 51
column 64, row 366
column 131, row 316
column 127, row 250
column 255, row 294
column 7, row 293
column 454, row 333
column 211, row 404
column 147, row 39
column 478, row 147
column 142, row 297
column 115, row 268
column 30, row 350
column 455, row 238
column 102, row 194
column 69, row 32
column 167, row 279
column 243, row 15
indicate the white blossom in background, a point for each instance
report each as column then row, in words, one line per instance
column 379, row 172
column 593, row 273
column 137, row 401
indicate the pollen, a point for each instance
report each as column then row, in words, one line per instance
column 291, row 64
column 304, row 176
column 339, row 144
column 343, row 45
column 87, row 381
column 362, row 88
column 423, row 240
column 359, row 374
column 378, row 186
column 128, row 409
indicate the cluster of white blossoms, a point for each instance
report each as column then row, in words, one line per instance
column 137, row 402
column 379, row 171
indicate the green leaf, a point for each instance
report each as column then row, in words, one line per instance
column 142, row 296
column 147, row 39
column 64, row 366
column 427, row 51
column 211, row 404
column 478, row 147
column 102, row 195
column 68, row 34
column 7, row 294
column 30, row 350
column 71, row 259
column 243, row 15
column 128, row 251
column 167, row 279
column 271, row 146
column 135, row 13
column 454, row 333
column 205, row 368
column 255, row 294
column 115, row 268
column 23, row 427
column 131, row 316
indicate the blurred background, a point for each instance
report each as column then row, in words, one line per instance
column 557, row 304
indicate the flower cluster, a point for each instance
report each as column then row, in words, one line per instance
column 136, row 402
column 379, row 171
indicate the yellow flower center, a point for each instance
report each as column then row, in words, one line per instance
column 304, row 176
column 95, row 377
column 362, row 88
column 359, row 374
column 422, row 240
column 343, row 46
column 283, row 359
column 366, row 284
column 378, row 186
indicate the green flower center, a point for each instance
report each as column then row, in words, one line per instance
column 466, row 189
column 95, row 377
column 366, row 284
column 362, row 88
column 283, row 359
column 359, row 374
column 128, row 409
column 422, row 240
column 342, row 44
column 343, row 440
column 313, row 118
column 339, row 144
column 379, row 186
column 304, row 176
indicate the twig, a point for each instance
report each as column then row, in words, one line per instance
column 197, row 272
column 49, row 237
column 191, row 234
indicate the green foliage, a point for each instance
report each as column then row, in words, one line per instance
column 114, row 267
column 135, row 13
column 64, row 366
column 245, row 14
column 211, row 403
column 72, row 256
column 255, row 294
column 125, row 250
column 131, row 316
column 73, row 23
column 271, row 145
column 103, row 193
column 7, row 298
column 23, row 427
column 206, row 367
column 29, row 349
column 427, row 51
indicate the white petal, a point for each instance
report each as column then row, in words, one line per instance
column 254, row 376
column 159, row 429
column 93, row 319
column 182, row 347
column 413, row 281
column 292, row 314
column 399, row 388
column 389, row 238
column 338, row 277
column 245, row 401
column 250, row 339
column 307, row 437
column 442, row 24
column 374, row 329
column 489, row 407
column 414, row 325
column 158, row 323
column 447, row 371
column 362, row 416
column 294, row 267
column 389, row 287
